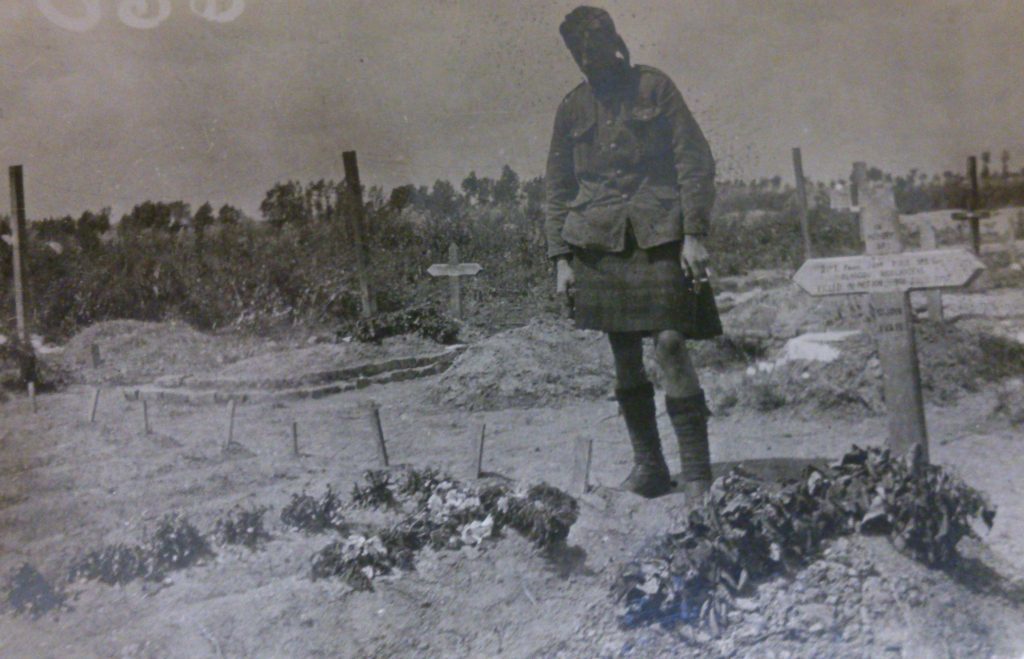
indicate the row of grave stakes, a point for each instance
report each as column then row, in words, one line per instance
column 474, row 470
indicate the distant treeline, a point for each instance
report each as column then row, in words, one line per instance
column 220, row 268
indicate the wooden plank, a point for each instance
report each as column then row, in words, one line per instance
column 801, row 198
column 885, row 272
column 357, row 223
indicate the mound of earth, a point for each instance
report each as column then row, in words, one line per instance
column 840, row 371
column 548, row 362
column 862, row 598
column 1010, row 402
column 133, row 351
column 539, row 364
column 785, row 312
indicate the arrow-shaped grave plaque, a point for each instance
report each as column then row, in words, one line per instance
column 887, row 274
column 455, row 271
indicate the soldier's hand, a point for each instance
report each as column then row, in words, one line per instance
column 694, row 258
column 565, row 277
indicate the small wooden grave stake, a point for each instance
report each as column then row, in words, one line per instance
column 887, row 275
column 231, row 422
column 94, row 351
column 145, row 415
column 32, row 396
column 583, row 453
column 455, row 271
column 295, row 438
column 378, row 433
column 476, row 454
column 92, row 406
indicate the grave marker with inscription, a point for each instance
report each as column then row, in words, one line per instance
column 887, row 275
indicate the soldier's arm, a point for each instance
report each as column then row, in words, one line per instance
column 695, row 165
column 560, row 183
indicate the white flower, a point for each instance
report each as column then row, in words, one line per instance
column 476, row 532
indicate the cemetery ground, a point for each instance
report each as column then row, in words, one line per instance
column 796, row 379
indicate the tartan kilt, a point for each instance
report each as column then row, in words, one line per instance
column 636, row 290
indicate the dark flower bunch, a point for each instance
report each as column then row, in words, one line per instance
column 242, row 526
column 175, row 544
column 29, row 593
column 425, row 321
column 747, row 532
column 311, row 515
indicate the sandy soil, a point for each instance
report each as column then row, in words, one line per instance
column 68, row 486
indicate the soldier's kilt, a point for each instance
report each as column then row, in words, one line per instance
column 640, row 290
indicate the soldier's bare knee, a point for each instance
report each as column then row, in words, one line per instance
column 670, row 346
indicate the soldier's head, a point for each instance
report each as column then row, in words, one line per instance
column 590, row 35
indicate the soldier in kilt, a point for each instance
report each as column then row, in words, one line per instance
column 630, row 185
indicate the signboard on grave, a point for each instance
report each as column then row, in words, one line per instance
column 887, row 272
column 886, row 275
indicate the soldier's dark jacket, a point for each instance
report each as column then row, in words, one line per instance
column 632, row 154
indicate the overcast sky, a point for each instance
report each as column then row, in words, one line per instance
column 426, row 89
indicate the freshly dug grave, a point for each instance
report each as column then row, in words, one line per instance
column 770, row 569
column 539, row 364
column 785, row 311
column 133, row 352
column 840, row 372
column 548, row 362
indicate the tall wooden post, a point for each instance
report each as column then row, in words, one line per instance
column 893, row 325
column 801, row 198
column 357, row 223
column 20, row 247
column 973, row 201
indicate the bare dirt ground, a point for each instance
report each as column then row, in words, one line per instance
column 68, row 486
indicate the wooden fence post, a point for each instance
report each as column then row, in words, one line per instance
column 801, row 198
column 357, row 223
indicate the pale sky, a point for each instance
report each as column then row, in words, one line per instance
column 426, row 89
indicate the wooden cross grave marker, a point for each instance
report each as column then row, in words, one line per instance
column 455, row 271
column 973, row 216
column 887, row 275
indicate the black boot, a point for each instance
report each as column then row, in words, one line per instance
column 650, row 476
column 689, row 417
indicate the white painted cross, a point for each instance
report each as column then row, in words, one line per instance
column 887, row 276
column 455, row 271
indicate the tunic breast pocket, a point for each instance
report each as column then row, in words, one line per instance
column 650, row 130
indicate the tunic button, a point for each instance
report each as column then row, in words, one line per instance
column 613, row 145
